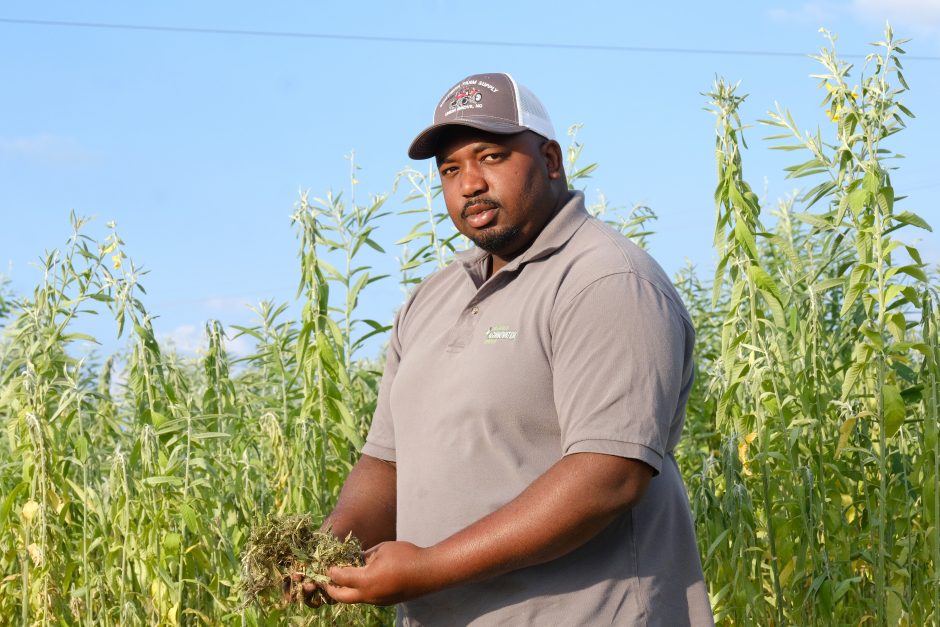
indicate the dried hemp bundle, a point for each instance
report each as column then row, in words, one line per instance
column 283, row 545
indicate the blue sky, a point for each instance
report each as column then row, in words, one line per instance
column 197, row 144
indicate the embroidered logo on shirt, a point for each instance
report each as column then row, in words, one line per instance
column 499, row 333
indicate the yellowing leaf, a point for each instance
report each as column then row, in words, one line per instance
column 787, row 571
column 893, row 406
column 848, row 426
column 36, row 554
column 29, row 511
column 848, row 506
column 743, row 446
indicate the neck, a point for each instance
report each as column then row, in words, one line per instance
column 496, row 262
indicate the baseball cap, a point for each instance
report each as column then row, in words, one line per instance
column 490, row 102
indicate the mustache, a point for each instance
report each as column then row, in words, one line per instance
column 474, row 202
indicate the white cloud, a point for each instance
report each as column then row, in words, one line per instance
column 238, row 346
column 909, row 12
column 185, row 338
column 45, row 147
column 188, row 339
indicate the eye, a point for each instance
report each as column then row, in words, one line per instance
column 494, row 156
column 448, row 170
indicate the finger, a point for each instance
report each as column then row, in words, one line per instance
column 344, row 595
column 347, row 576
column 313, row 594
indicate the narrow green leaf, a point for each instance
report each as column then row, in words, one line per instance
column 745, row 237
column 913, row 219
column 813, row 219
column 857, row 283
column 161, row 480
column 915, row 271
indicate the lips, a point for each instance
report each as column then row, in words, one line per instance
column 480, row 214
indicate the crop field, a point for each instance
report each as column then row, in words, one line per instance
column 129, row 484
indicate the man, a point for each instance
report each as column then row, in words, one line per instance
column 519, row 467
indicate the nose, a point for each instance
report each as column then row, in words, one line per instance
column 472, row 180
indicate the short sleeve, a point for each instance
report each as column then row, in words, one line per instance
column 621, row 362
column 380, row 442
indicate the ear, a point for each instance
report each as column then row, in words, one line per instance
column 551, row 152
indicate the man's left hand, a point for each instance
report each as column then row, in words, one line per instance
column 393, row 572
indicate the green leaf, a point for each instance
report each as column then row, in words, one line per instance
column 915, row 255
column 776, row 308
column 81, row 448
column 69, row 337
column 714, row 545
column 190, row 518
column 7, row 503
column 893, row 407
column 871, row 182
column 412, row 236
column 764, row 281
column 851, row 376
column 371, row 243
column 174, row 425
column 745, row 237
column 858, row 283
column 787, row 248
column 914, row 271
column 172, row 542
column 897, row 325
column 157, row 418
column 813, row 219
column 913, row 219
column 885, row 197
column 209, row 435
column 163, row 479
column 828, row 284
column 857, row 200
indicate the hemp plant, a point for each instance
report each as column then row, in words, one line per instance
column 817, row 380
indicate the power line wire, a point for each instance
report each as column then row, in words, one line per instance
column 424, row 40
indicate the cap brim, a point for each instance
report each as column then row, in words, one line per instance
column 424, row 145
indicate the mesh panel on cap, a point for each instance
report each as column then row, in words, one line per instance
column 534, row 114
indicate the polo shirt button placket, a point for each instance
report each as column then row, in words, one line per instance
column 464, row 329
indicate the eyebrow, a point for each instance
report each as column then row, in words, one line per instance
column 477, row 148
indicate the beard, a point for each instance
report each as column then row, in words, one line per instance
column 493, row 239
column 496, row 239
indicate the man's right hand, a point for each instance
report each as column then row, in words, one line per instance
column 310, row 593
column 366, row 508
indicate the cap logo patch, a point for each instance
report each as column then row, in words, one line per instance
column 468, row 94
column 465, row 97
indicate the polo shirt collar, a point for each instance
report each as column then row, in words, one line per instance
column 560, row 228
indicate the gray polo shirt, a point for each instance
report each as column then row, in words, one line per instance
column 580, row 344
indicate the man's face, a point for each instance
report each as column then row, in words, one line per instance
column 500, row 190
